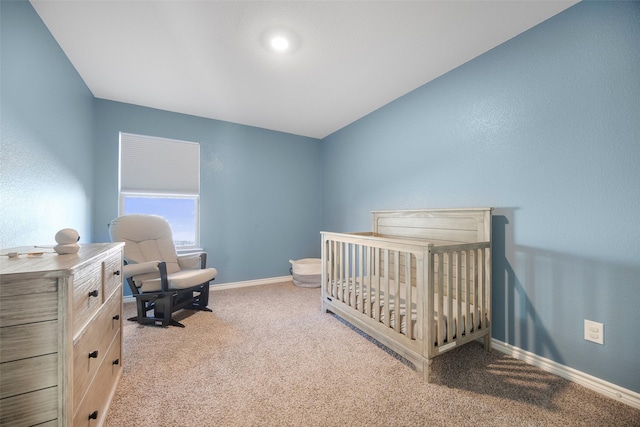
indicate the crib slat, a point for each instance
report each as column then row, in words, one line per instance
column 467, row 293
column 396, row 302
column 332, row 267
column 329, row 268
column 427, row 306
column 347, row 273
column 326, row 268
column 361, row 281
column 440, row 324
column 408, row 295
column 476, row 318
column 450, row 319
column 386, row 287
column 369, row 277
column 459, row 324
column 353, row 297
column 336, row 269
column 486, row 311
column 357, row 284
column 340, row 271
column 355, row 287
column 378, row 255
column 338, row 261
column 483, row 300
column 350, row 277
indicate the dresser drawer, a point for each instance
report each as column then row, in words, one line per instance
column 14, row 285
column 30, row 409
column 96, row 337
column 112, row 274
column 87, row 294
column 101, row 390
column 24, row 375
column 33, row 339
column 27, row 301
column 28, row 309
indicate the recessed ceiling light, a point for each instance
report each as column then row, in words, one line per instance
column 279, row 43
column 280, row 40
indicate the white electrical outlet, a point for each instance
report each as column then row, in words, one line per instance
column 594, row 331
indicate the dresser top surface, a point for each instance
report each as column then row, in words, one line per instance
column 39, row 260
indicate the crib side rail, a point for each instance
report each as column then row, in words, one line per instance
column 380, row 280
column 460, row 283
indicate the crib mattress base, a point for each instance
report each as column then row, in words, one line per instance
column 375, row 310
column 409, row 348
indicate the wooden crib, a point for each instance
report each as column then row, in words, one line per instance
column 419, row 283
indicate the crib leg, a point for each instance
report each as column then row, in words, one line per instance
column 487, row 343
column 325, row 308
column 426, row 370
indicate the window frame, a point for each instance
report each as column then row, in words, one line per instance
column 160, row 194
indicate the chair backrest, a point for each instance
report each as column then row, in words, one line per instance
column 146, row 238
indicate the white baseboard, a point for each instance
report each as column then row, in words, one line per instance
column 257, row 282
column 605, row 388
column 232, row 285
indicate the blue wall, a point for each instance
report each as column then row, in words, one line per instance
column 260, row 203
column 46, row 153
column 546, row 129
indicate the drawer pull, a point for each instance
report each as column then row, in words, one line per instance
column 93, row 415
column 116, row 317
column 116, row 273
column 116, row 362
column 93, row 354
column 93, row 293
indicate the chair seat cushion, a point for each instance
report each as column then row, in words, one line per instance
column 181, row 280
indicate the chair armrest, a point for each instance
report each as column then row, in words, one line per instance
column 130, row 270
column 192, row 261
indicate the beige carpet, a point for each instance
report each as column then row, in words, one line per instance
column 269, row 356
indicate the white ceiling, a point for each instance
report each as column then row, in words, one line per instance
column 205, row 58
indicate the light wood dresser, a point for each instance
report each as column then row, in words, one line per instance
column 60, row 335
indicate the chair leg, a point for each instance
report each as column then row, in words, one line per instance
column 163, row 312
column 165, row 318
column 164, row 306
column 202, row 300
column 193, row 299
column 204, row 295
column 143, row 305
column 173, row 322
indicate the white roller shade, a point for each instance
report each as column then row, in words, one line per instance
column 150, row 164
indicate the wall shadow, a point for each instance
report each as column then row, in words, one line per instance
column 471, row 368
column 515, row 317
column 495, row 374
column 539, row 300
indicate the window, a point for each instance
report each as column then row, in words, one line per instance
column 162, row 177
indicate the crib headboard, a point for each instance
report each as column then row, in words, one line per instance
column 467, row 225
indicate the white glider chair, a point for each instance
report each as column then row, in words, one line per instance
column 159, row 278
